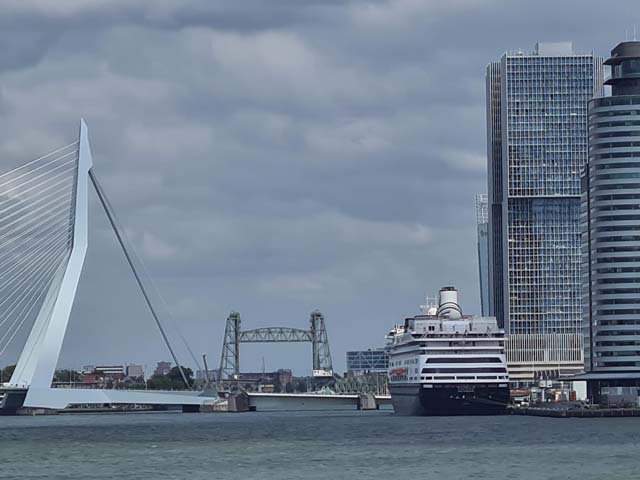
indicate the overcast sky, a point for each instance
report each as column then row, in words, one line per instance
column 272, row 157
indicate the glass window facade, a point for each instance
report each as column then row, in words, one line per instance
column 538, row 146
column 367, row 361
column 611, row 223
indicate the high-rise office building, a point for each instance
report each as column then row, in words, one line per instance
column 611, row 234
column 482, row 222
column 537, row 146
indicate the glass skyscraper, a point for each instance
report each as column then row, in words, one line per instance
column 537, row 146
column 611, row 215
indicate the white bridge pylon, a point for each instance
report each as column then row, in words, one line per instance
column 37, row 363
column 44, row 209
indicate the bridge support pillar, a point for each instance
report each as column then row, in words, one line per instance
column 238, row 402
column 367, row 401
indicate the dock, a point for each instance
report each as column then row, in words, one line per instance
column 575, row 412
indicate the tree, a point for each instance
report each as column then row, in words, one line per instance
column 159, row 382
column 288, row 387
column 176, row 377
column 277, row 386
column 302, row 386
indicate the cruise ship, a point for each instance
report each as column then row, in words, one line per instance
column 442, row 362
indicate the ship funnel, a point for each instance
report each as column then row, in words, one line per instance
column 448, row 303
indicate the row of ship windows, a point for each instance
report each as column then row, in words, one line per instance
column 465, row 370
column 404, row 378
column 411, row 361
column 468, row 377
column 453, row 360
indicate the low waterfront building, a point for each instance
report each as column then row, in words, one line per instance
column 360, row 362
column 135, row 371
column 113, row 372
column 162, row 368
column 211, row 375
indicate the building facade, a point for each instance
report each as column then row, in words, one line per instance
column 611, row 220
column 482, row 223
column 162, row 368
column 135, row 371
column 360, row 362
column 536, row 148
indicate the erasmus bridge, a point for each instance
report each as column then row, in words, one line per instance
column 44, row 207
column 44, row 210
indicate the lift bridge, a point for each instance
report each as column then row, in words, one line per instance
column 234, row 336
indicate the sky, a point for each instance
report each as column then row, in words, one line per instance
column 272, row 157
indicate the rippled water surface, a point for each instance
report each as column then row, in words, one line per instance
column 358, row 445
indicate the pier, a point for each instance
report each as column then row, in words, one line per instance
column 574, row 412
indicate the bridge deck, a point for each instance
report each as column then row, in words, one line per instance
column 58, row 398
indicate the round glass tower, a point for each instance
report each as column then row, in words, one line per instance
column 612, row 283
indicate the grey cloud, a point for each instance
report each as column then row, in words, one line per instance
column 272, row 157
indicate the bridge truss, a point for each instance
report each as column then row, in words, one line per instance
column 234, row 336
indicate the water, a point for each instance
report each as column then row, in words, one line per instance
column 358, row 445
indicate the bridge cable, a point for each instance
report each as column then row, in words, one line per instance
column 122, row 240
column 35, row 238
column 27, row 309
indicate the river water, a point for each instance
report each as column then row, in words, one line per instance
column 316, row 445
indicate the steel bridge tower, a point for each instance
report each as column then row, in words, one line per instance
column 234, row 336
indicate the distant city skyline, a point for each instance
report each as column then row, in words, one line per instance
column 270, row 159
